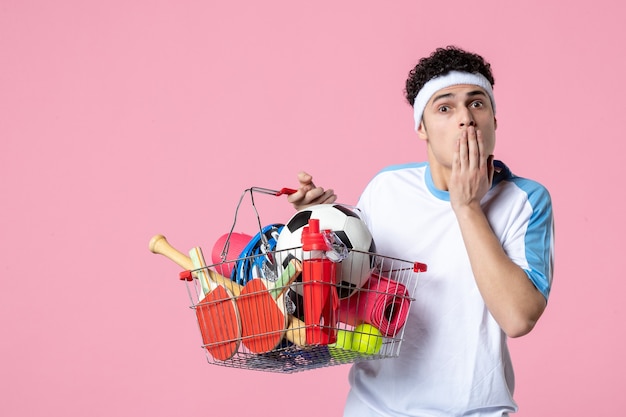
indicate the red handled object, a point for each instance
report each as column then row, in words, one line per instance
column 282, row 191
column 320, row 297
column 217, row 313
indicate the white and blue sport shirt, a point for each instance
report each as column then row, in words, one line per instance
column 454, row 359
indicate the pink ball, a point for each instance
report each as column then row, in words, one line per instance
column 236, row 244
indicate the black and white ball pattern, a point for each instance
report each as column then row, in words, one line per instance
column 354, row 271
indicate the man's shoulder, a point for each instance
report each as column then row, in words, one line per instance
column 532, row 188
column 399, row 173
column 409, row 169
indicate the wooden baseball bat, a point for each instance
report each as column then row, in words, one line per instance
column 158, row 244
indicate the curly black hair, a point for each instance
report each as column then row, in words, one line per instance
column 441, row 62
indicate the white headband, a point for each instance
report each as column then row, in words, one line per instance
column 443, row 81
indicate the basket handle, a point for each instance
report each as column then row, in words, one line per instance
column 282, row 191
column 251, row 191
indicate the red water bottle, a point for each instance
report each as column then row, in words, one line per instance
column 320, row 297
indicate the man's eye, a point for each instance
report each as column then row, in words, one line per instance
column 477, row 104
column 443, row 109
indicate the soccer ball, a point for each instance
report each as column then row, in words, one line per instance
column 354, row 271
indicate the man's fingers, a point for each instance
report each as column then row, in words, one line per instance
column 456, row 157
column 306, row 184
column 473, row 148
column 328, row 197
column 305, row 179
column 319, row 196
column 308, row 194
column 297, row 197
column 490, row 168
column 463, row 150
column 482, row 156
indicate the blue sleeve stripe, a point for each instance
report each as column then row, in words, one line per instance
column 539, row 239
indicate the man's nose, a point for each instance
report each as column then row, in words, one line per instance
column 466, row 119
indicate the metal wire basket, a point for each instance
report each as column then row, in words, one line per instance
column 286, row 310
column 276, row 310
column 368, row 324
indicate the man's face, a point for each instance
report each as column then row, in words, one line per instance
column 448, row 113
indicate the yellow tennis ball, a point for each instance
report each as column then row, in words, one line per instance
column 341, row 348
column 367, row 339
column 344, row 339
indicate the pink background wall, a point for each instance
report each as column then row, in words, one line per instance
column 123, row 119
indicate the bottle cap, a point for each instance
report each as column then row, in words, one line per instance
column 312, row 238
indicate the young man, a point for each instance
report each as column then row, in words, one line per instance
column 486, row 235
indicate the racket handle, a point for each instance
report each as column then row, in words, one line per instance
column 291, row 272
column 234, row 288
column 296, row 331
